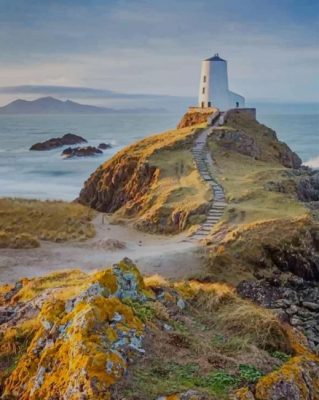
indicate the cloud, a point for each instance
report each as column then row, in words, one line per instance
column 142, row 46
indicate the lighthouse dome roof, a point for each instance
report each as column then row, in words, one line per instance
column 215, row 58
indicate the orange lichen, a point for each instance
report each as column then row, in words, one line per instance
column 87, row 338
column 292, row 373
column 299, row 375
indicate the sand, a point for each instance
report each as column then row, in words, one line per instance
column 169, row 256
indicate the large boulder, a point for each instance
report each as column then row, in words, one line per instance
column 54, row 143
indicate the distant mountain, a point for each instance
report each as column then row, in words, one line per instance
column 103, row 97
column 50, row 105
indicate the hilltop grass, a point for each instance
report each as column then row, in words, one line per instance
column 24, row 222
column 244, row 179
column 178, row 197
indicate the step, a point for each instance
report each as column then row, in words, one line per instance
column 212, row 220
column 199, row 233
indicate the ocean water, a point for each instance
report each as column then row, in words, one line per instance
column 45, row 175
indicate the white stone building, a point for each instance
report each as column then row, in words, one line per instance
column 213, row 87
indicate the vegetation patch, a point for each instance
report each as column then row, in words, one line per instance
column 23, row 223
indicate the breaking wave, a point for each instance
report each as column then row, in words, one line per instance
column 313, row 162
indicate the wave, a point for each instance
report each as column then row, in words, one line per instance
column 313, row 162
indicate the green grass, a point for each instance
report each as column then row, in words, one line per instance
column 171, row 377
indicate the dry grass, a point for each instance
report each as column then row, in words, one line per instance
column 220, row 306
column 178, row 197
column 177, row 191
column 24, row 222
column 244, row 179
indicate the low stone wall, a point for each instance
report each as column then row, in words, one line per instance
column 246, row 111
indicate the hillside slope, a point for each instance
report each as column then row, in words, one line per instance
column 152, row 183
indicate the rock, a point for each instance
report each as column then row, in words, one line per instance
column 181, row 304
column 68, row 139
column 295, row 380
column 308, row 187
column 167, row 327
column 293, row 309
column 237, row 141
column 294, row 300
column 104, row 146
column 311, row 306
column 84, row 343
column 80, row 152
column 295, row 321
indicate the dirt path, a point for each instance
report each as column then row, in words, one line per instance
column 169, row 256
column 175, row 257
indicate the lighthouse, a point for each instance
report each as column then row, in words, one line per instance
column 213, row 87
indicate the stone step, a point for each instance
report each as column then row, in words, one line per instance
column 214, row 220
column 198, row 233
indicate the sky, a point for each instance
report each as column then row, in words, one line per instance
column 156, row 46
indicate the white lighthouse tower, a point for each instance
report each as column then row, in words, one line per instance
column 213, row 87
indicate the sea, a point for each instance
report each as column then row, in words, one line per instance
column 46, row 175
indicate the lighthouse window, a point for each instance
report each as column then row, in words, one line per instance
column 204, row 79
column 203, row 90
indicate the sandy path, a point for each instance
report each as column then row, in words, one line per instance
column 169, row 256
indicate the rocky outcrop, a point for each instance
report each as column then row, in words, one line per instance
column 237, row 141
column 104, row 146
column 83, row 343
column 266, row 146
column 295, row 301
column 196, row 116
column 68, row 139
column 125, row 181
column 88, row 151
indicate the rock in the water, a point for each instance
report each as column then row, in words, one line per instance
column 80, row 152
column 104, row 146
column 54, row 143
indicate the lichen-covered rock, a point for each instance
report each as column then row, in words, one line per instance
column 298, row 379
column 81, row 344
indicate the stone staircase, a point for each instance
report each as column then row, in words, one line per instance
column 205, row 166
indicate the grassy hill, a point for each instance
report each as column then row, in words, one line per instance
column 153, row 184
